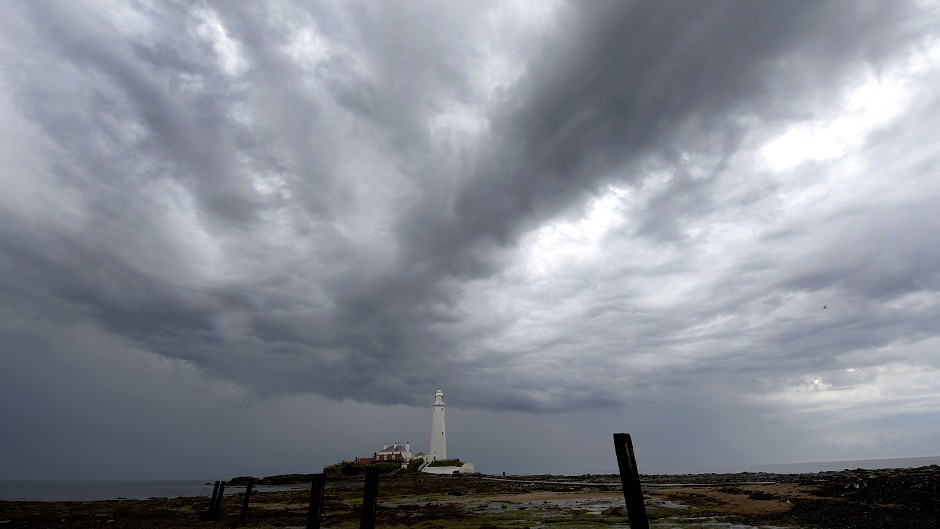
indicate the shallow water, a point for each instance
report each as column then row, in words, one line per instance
column 707, row 523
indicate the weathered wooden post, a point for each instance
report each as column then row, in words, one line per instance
column 630, row 478
column 210, row 514
column 217, row 511
column 244, row 514
column 316, row 501
column 369, row 499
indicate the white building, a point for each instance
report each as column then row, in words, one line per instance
column 438, row 434
column 439, row 444
column 395, row 452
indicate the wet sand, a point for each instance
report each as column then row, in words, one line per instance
column 895, row 498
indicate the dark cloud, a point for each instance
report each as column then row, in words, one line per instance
column 548, row 210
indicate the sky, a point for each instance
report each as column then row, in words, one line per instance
column 252, row 238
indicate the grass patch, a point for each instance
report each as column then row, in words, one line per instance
column 446, row 463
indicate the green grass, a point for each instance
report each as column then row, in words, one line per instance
column 446, row 463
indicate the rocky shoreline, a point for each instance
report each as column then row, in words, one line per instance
column 895, row 498
column 885, row 498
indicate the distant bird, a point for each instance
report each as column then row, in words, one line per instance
column 824, row 307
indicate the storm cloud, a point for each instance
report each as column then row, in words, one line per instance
column 708, row 220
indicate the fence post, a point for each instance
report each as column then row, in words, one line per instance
column 630, row 478
column 369, row 499
column 217, row 511
column 316, row 501
column 244, row 513
column 210, row 514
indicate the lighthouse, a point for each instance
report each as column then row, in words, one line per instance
column 438, row 437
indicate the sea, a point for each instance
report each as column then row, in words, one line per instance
column 801, row 468
column 69, row 490
column 94, row 490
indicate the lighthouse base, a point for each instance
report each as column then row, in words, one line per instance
column 466, row 468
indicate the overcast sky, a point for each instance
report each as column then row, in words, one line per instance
column 256, row 237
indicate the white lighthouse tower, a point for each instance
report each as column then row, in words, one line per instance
column 438, row 437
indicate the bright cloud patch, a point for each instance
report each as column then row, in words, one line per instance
column 865, row 107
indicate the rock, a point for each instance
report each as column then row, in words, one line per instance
column 615, row 511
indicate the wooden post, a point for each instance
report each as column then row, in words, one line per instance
column 369, row 499
column 244, row 514
column 630, row 478
column 210, row 514
column 316, row 501
column 217, row 512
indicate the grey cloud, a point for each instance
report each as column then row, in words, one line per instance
column 295, row 226
column 186, row 136
column 585, row 114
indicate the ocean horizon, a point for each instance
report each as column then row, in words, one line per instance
column 799, row 468
column 96, row 490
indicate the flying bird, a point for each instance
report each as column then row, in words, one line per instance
column 824, row 307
